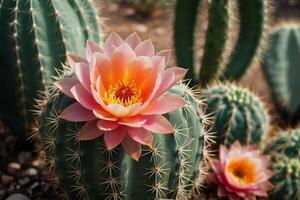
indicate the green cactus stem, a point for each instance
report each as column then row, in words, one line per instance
column 35, row 36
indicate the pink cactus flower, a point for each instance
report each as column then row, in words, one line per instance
column 121, row 92
column 241, row 173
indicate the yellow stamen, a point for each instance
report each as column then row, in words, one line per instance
column 124, row 93
column 243, row 170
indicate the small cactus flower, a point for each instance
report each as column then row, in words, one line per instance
column 241, row 173
column 121, row 92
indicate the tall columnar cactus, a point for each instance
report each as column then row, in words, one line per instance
column 236, row 114
column 253, row 16
column 89, row 170
column 282, row 69
column 35, row 36
column 285, row 151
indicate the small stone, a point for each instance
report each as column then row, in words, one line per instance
column 17, row 197
column 14, row 166
column 36, row 163
column 24, row 181
column 6, row 179
column 31, row 172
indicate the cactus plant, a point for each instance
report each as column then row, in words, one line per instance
column 35, row 37
column 236, row 114
column 214, row 65
column 89, row 170
column 282, row 69
column 285, row 151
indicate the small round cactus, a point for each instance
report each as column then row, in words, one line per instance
column 236, row 114
column 285, row 159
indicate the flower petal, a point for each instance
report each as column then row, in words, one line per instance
column 133, row 40
column 113, row 41
column 65, row 85
column 140, row 135
column 145, row 48
column 84, row 97
column 100, row 65
column 132, row 148
column 166, row 54
column 164, row 104
column 117, row 110
column 167, row 81
column 91, row 48
column 82, row 72
column 136, row 121
column 107, row 125
column 158, row 124
column 179, row 73
column 114, row 138
column 89, row 131
column 102, row 114
column 73, row 59
column 77, row 113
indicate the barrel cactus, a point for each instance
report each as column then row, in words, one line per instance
column 218, row 36
column 103, row 157
column 285, row 151
column 35, row 37
column 281, row 67
column 236, row 114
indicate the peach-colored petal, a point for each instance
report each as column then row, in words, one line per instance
column 84, row 97
column 158, row 63
column 89, row 131
column 117, row 110
column 101, row 65
column 136, row 121
column 114, row 138
column 82, row 72
column 164, row 104
column 73, row 59
column 77, row 113
column 105, row 125
column 179, row 73
column 91, row 48
column 65, row 85
column 140, row 135
column 133, row 40
column 167, row 81
column 113, row 41
column 132, row 148
column 102, row 114
column 145, row 48
column 166, row 54
column 158, row 124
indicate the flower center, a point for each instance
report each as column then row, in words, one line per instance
column 124, row 93
column 243, row 170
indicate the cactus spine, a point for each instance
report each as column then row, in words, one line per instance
column 285, row 151
column 236, row 114
column 35, row 37
column 281, row 67
column 88, row 170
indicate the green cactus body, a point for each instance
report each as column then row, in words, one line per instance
column 253, row 20
column 282, row 69
column 285, row 151
column 236, row 114
column 88, row 170
column 35, row 36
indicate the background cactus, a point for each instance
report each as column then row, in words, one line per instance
column 88, row 170
column 35, row 36
column 236, row 114
column 282, row 69
column 246, row 50
column 285, row 151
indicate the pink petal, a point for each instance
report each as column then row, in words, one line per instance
column 167, row 81
column 91, row 48
column 114, row 138
column 165, row 104
column 77, row 113
column 145, row 48
column 100, row 65
column 136, row 121
column 107, row 125
column 132, row 148
column 166, row 54
column 84, row 97
column 113, row 41
column 89, row 131
column 117, row 110
column 223, row 155
column 140, row 135
column 65, row 85
column 82, row 72
column 133, row 40
column 158, row 63
column 158, row 124
column 102, row 114
column 216, row 166
column 179, row 73
column 73, row 59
